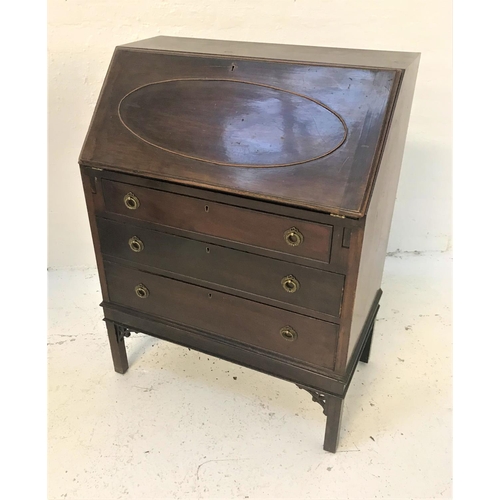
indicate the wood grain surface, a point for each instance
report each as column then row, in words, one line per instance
column 196, row 119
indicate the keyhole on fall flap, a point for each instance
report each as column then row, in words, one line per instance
column 206, row 208
column 232, row 67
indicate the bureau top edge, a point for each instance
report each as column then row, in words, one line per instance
column 306, row 54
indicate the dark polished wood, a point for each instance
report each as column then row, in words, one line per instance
column 333, row 410
column 218, row 220
column 226, row 269
column 240, row 198
column 232, row 122
column 90, row 190
column 373, row 249
column 338, row 259
column 305, row 54
column 243, row 354
column 324, row 122
column 225, row 348
column 222, row 314
column 117, row 345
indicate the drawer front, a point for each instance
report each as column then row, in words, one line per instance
column 279, row 280
column 259, row 229
column 294, row 335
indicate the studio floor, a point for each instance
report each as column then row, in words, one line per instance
column 184, row 425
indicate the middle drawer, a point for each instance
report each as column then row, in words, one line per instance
column 278, row 280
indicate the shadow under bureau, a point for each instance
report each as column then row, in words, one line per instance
column 240, row 197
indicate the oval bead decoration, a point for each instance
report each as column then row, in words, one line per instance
column 232, row 122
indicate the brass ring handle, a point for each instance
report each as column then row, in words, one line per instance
column 131, row 201
column 288, row 333
column 141, row 291
column 293, row 237
column 135, row 244
column 290, row 284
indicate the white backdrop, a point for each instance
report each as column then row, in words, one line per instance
column 82, row 35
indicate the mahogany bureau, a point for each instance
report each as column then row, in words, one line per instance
column 240, row 197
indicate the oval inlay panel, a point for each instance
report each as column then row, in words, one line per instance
column 232, row 122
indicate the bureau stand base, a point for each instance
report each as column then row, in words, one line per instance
column 332, row 403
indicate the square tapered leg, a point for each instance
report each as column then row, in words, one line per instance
column 117, row 344
column 333, row 410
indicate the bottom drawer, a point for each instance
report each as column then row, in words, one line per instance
column 282, row 332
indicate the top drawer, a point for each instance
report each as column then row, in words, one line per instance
column 273, row 232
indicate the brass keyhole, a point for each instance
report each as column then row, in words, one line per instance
column 293, row 237
column 131, row 201
column 135, row 244
column 141, row 291
column 288, row 333
column 290, row 284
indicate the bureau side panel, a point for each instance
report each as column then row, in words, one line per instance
column 380, row 211
column 91, row 188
